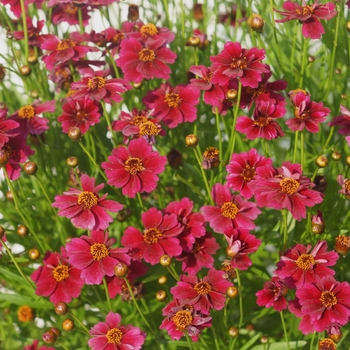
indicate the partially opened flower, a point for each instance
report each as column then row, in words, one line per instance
column 7, row 127
column 85, row 208
column 342, row 120
column 35, row 346
column 112, row 335
column 273, row 294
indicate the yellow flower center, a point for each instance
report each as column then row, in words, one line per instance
column 304, row 115
column 347, row 185
column 81, row 115
column 148, row 30
column 65, row 44
column 87, row 199
column 25, row 314
column 202, row 288
column 211, row 153
column 182, row 319
column 229, row 210
column 289, row 185
column 149, row 129
column 114, row 336
column 239, row 63
column 147, row 55
column 256, row 91
column 327, row 344
column 96, row 83
column 305, row 261
column 248, row 173
column 172, row 99
column 60, row 273
column 305, row 10
column 133, row 165
column 139, row 120
column 26, row 112
column 328, row 299
column 151, row 235
column 99, row 251
column 262, row 121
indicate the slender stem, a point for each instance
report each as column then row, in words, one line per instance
column 188, row 341
column 302, row 150
column 312, row 341
column 284, row 229
column 240, row 296
column 80, row 323
column 140, row 201
column 296, row 136
column 284, row 329
column 80, row 18
column 173, row 272
column 303, row 62
column 60, row 344
column 235, row 115
column 115, row 141
column 219, row 133
column 25, row 29
column 107, row 294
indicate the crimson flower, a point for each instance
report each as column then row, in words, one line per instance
column 273, row 294
column 342, row 120
column 150, row 32
column 79, row 112
column 85, row 208
column 242, row 169
column 173, row 105
column 236, row 62
column 33, row 32
column 7, row 127
column 134, row 168
column 309, row 16
column 285, row 188
column 15, row 6
column 68, row 12
column 95, row 257
column 300, row 264
column 111, row 335
column 35, row 345
column 158, row 238
column 203, row 294
column 345, row 186
column 57, row 278
column 230, row 210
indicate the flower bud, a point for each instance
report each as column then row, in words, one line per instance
column 232, row 94
column 30, row 168
column 72, row 161
column 49, row 337
column 22, row 230
column 210, row 158
column 165, row 260
column 191, row 140
column 25, row 313
column 9, row 196
column 34, row 254
column 197, row 12
column 347, row 160
column 193, row 41
column 336, row 155
column 74, row 133
column 264, row 339
column 56, row 331
column 233, row 332
column 34, row 94
column 348, row 26
column 230, row 252
column 3, row 158
column 336, row 337
column 2, row 72
column 174, row 158
column 162, row 280
column 137, row 85
column 68, row 325
column 32, row 59
column 161, row 295
column 338, row 71
column 232, row 292
column 121, row 270
column 256, row 23
column 25, row 70
column 342, row 244
column 61, row 308
column 2, row 232
column 321, row 161
column 133, row 13
column 311, row 59
column 343, row 96
column 317, row 223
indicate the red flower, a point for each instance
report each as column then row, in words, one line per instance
column 285, row 188
column 273, row 294
column 112, row 335
column 83, row 113
column 231, row 210
column 134, row 168
column 85, row 208
column 325, row 302
column 173, row 105
column 149, row 32
column 7, row 127
column 235, row 62
column 34, row 37
column 57, row 278
column 68, row 12
column 15, row 6
column 34, row 346
column 342, row 120
column 242, row 169
column 203, row 294
column 300, row 264
column 140, row 61
column 309, row 16
column 158, row 238
column 308, row 114
column 95, row 257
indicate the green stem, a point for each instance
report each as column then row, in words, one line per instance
column 296, row 136
column 219, row 135
column 284, row 329
column 240, row 296
column 60, row 344
column 173, row 272
column 114, row 138
column 303, row 62
column 235, row 115
column 80, row 18
column 25, row 29
column 140, row 201
column 284, row 229
column 80, row 323
column 188, row 341
column 107, row 294
column 302, row 150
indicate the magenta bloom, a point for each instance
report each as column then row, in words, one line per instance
column 345, row 186
column 35, row 345
column 173, row 105
column 57, row 278
column 264, row 122
column 309, row 16
column 203, row 294
column 285, row 188
column 82, row 113
column 15, row 6
column 7, row 127
column 240, row 244
column 111, row 335
column 308, row 114
column 85, row 208
column 235, row 62
column 134, row 168
column 273, row 294
column 230, row 210
column 34, row 37
column 325, row 302
column 342, row 120
column 68, row 12
column 95, row 257
column 149, row 32
column 242, row 169
column 158, row 238
column 300, row 264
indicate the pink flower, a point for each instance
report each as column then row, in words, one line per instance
column 300, row 264
column 342, row 120
column 273, row 294
column 308, row 114
column 230, row 210
column 68, row 12
column 149, row 32
column 34, row 37
column 325, row 302
column 15, row 6
column 242, row 169
column 7, row 127
column 345, row 186
column 82, row 113
column 35, row 345
column 95, row 257
column 309, row 16
column 235, row 62
column 134, row 168
column 85, row 208
column 158, row 238
column 240, row 243
column 285, row 188
column 112, row 335
column 203, row 294
column 57, row 278
column 173, row 105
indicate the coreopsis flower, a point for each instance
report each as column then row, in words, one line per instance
column 159, row 237
column 345, row 186
column 79, row 112
column 285, row 188
column 203, row 294
column 273, row 294
column 150, row 32
column 308, row 15
column 33, row 32
column 57, row 279
column 236, row 62
column 15, row 6
column 35, row 346
column 327, row 344
column 112, row 335
column 230, row 16
column 85, row 208
column 240, row 243
column 181, row 320
column 325, row 301
column 210, row 158
column 304, row 264
column 29, row 117
column 145, row 61
column 342, row 244
column 263, row 124
column 173, row 105
column 230, row 210
column 7, row 127
column 97, row 86
column 305, row 324
column 69, row 12
column 307, row 114
column 135, row 168
column 242, row 169
column 25, row 313
column 95, row 257
column 342, row 120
